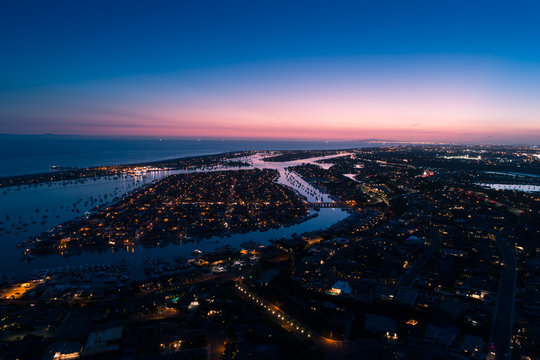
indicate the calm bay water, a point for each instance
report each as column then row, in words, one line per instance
column 32, row 154
column 28, row 210
column 12, row 264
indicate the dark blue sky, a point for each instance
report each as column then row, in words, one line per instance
column 255, row 68
column 48, row 42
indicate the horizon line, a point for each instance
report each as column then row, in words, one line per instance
column 261, row 139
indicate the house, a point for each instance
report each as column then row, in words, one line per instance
column 103, row 344
column 340, row 288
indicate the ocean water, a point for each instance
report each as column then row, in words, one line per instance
column 32, row 154
column 26, row 211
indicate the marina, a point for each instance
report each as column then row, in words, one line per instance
column 37, row 208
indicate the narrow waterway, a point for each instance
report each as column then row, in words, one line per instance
column 29, row 210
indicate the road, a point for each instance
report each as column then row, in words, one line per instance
column 216, row 341
column 501, row 332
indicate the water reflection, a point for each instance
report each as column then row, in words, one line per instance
column 29, row 210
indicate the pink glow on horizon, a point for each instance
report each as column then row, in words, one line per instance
column 454, row 107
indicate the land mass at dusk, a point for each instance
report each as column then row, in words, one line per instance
column 423, row 254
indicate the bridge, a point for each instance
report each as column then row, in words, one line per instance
column 326, row 204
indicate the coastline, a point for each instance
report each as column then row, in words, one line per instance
column 178, row 163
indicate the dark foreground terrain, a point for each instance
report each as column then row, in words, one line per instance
column 432, row 263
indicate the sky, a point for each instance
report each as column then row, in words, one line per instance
column 435, row 71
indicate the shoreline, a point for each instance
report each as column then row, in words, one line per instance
column 181, row 163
